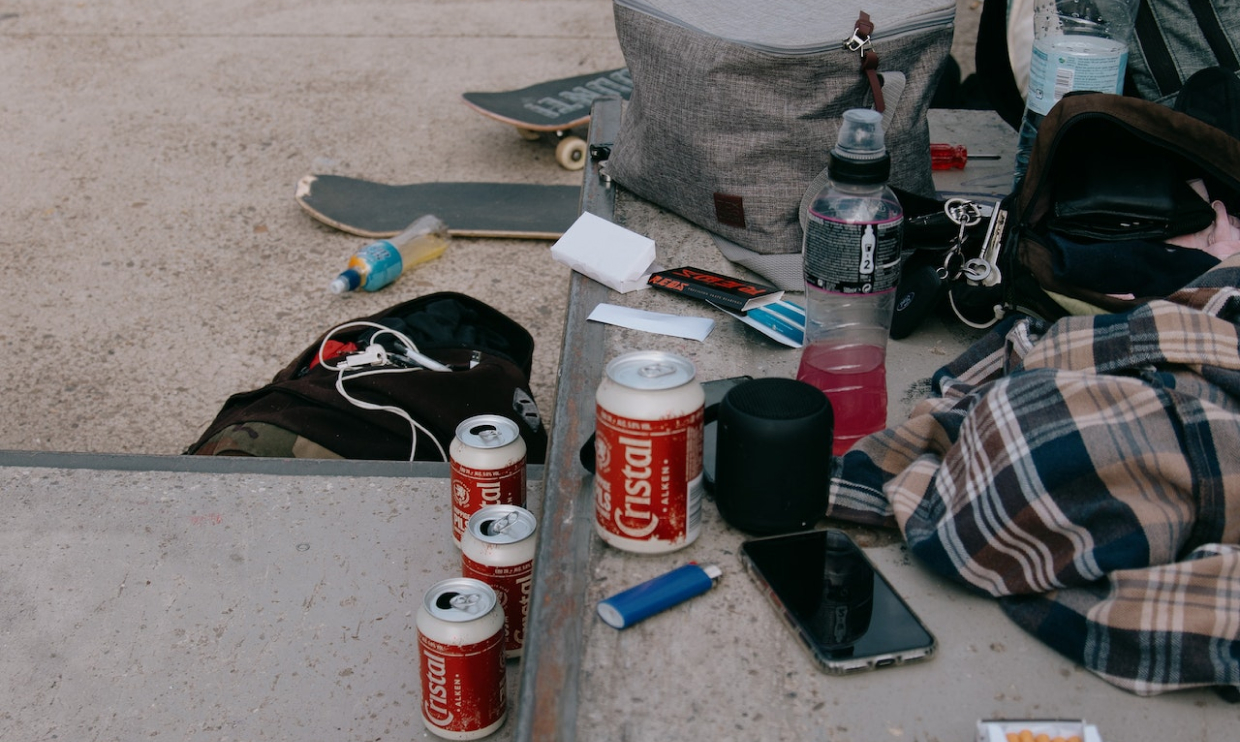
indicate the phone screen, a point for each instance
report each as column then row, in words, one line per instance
column 715, row 391
column 840, row 606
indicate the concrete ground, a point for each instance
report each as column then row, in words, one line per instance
column 156, row 263
column 155, row 260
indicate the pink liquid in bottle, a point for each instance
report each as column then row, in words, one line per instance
column 854, row 378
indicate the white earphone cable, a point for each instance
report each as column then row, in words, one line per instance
column 378, row 361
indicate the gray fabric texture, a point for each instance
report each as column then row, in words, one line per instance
column 784, row 270
column 1188, row 46
column 711, row 115
column 794, row 26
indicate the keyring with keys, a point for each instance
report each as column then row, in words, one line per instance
column 965, row 214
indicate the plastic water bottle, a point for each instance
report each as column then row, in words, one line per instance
column 1077, row 45
column 853, row 235
column 379, row 263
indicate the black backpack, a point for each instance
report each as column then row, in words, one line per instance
column 303, row 414
column 1107, row 186
column 1086, row 229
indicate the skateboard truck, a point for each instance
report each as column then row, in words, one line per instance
column 600, row 153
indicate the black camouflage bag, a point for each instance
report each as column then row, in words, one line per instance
column 390, row 386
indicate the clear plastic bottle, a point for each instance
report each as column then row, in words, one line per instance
column 1077, row 45
column 853, row 235
column 379, row 263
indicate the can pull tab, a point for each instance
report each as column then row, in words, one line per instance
column 500, row 525
column 656, row 370
column 488, row 435
column 465, row 603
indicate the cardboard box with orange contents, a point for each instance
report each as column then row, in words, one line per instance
column 1036, row 730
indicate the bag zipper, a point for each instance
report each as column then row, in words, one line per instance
column 862, row 42
column 932, row 19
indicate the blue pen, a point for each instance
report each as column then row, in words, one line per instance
column 622, row 610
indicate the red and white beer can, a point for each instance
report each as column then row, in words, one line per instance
column 488, row 467
column 461, row 660
column 498, row 548
column 648, row 453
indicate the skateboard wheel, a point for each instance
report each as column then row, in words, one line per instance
column 528, row 135
column 571, row 153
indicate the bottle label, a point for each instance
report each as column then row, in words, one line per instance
column 853, row 257
column 384, row 262
column 1062, row 64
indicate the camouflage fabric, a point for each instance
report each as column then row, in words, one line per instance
column 263, row 439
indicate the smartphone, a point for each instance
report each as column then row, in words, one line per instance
column 715, row 391
column 837, row 603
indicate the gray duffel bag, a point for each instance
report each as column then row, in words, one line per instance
column 736, row 105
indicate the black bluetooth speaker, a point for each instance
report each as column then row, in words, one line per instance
column 773, row 455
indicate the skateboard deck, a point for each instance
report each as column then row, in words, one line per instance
column 511, row 210
column 554, row 107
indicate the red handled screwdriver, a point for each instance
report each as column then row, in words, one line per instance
column 953, row 156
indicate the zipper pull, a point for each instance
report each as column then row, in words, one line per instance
column 860, row 42
column 860, row 39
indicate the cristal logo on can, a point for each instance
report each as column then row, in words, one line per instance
column 487, row 468
column 465, row 690
column 513, row 585
column 461, row 660
column 648, row 453
column 498, row 548
column 435, row 671
column 633, row 516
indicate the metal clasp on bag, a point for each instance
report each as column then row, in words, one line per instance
column 857, row 42
column 860, row 40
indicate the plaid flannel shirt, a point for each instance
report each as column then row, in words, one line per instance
column 1087, row 474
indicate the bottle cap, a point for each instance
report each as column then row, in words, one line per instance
column 346, row 281
column 860, row 154
column 861, row 135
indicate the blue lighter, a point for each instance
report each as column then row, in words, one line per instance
column 638, row 603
